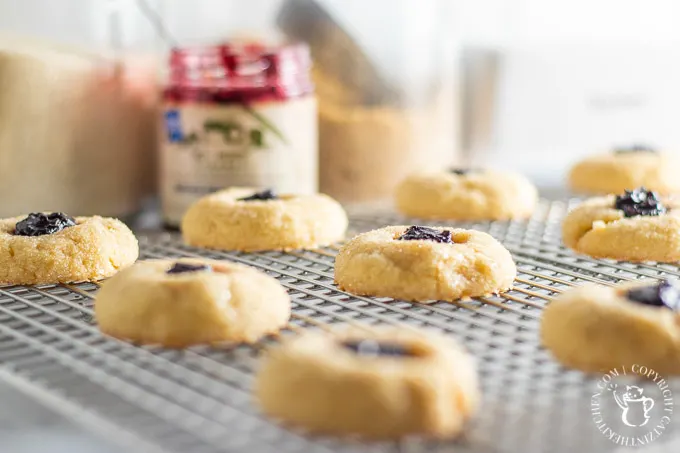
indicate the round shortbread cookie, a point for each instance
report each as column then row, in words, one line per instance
column 628, row 168
column 597, row 328
column 597, row 228
column 467, row 195
column 409, row 263
column 226, row 221
column 383, row 383
column 87, row 249
column 185, row 302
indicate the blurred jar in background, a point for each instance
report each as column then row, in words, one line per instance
column 77, row 110
column 237, row 114
column 384, row 73
column 385, row 76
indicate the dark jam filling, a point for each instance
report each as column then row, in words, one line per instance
column 463, row 171
column 371, row 348
column 39, row 224
column 265, row 195
column 639, row 202
column 181, row 268
column 637, row 148
column 414, row 233
column 665, row 293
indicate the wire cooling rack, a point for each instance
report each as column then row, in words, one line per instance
column 151, row 399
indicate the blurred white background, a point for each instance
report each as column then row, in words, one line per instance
column 488, row 22
column 548, row 80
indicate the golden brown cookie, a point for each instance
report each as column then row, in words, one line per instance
column 597, row 328
column 467, row 195
column 383, row 383
column 185, row 302
column 247, row 220
column 55, row 248
column 598, row 228
column 626, row 168
column 423, row 264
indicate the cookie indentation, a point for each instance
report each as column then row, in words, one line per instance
column 372, row 348
column 665, row 293
column 267, row 194
column 639, row 202
column 39, row 224
column 635, row 148
column 422, row 233
column 181, row 268
column 463, row 171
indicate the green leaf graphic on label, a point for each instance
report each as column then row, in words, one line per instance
column 256, row 138
column 231, row 132
column 234, row 133
column 190, row 139
column 266, row 123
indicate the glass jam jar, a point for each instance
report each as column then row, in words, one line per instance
column 237, row 114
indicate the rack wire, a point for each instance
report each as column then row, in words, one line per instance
column 152, row 399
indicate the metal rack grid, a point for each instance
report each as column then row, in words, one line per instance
column 198, row 400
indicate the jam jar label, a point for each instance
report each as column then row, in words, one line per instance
column 206, row 147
